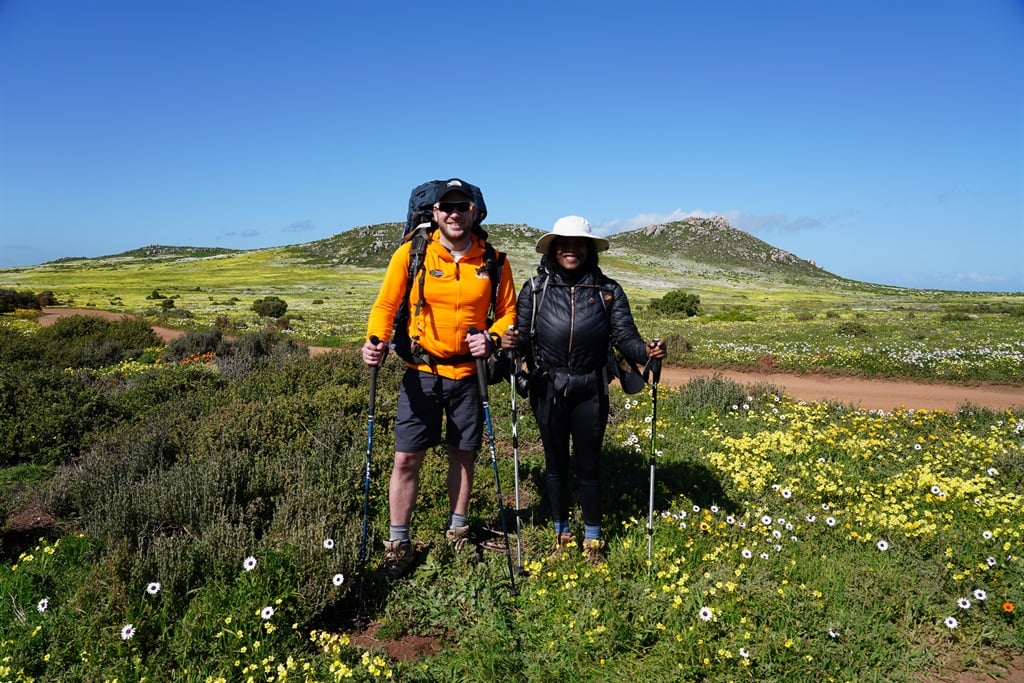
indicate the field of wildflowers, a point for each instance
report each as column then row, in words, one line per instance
column 195, row 514
column 792, row 542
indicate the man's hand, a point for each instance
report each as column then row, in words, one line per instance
column 373, row 351
column 480, row 345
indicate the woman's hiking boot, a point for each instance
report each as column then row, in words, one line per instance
column 562, row 543
column 398, row 557
column 593, row 550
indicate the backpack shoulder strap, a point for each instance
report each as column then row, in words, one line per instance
column 494, row 262
column 419, row 238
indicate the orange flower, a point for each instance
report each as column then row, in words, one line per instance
column 1009, row 606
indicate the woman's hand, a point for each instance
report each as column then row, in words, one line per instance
column 656, row 348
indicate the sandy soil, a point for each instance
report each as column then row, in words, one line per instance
column 869, row 394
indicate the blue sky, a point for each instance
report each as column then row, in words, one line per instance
column 883, row 139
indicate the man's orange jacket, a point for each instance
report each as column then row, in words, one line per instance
column 457, row 295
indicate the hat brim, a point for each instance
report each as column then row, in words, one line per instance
column 544, row 243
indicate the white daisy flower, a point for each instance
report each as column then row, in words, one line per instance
column 706, row 614
column 329, row 543
column 153, row 588
column 267, row 612
column 128, row 632
column 338, row 579
column 43, row 604
column 249, row 563
column 951, row 623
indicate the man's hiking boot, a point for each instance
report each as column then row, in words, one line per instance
column 458, row 537
column 398, row 557
column 593, row 550
column 562, row 544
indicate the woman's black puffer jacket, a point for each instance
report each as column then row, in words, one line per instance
column 574, row 322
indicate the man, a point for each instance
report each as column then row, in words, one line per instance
column 440, row 379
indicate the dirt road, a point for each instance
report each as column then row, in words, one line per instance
column 868, row 394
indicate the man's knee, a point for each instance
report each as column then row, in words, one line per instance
column 408, row 463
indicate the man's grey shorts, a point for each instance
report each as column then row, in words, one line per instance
column 424, row 399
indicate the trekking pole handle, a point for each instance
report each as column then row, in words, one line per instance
column 652, row 368
column 481, row 371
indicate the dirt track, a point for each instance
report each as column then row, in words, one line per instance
column 868, row 394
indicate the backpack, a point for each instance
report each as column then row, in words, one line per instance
column 419, row 225
column 618, row 367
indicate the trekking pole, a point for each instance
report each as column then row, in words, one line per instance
column 481, row 374
column 654, row 365
column 366, row 477
column 515, row 456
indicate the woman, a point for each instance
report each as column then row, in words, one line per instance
column 569, row 316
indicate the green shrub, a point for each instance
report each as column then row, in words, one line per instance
column 676, row 344
column 270, row 463
column 46, row 415
column 677, row 302
column 193, row 344
column 732, row 315
column 270, row 307
column 852, row 328
column 11, row 300
column 83, row 341
column 266, row 348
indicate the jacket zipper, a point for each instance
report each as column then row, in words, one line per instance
column 572, row 332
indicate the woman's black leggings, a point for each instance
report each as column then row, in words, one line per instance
column 581, row 418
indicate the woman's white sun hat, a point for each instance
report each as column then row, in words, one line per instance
column 571, row 226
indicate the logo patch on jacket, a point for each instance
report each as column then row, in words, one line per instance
column 436, row 273
column 481, row 273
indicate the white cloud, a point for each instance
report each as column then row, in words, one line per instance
column 249, row 232
column 300, row 226
column 748, row 222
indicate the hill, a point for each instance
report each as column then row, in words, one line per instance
column 653, row 258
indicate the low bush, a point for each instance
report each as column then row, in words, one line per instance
column 270, row 307
column 83, row 341
column 677, row 302
column 11, row 300
column 852, row 328
column 47, row 414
